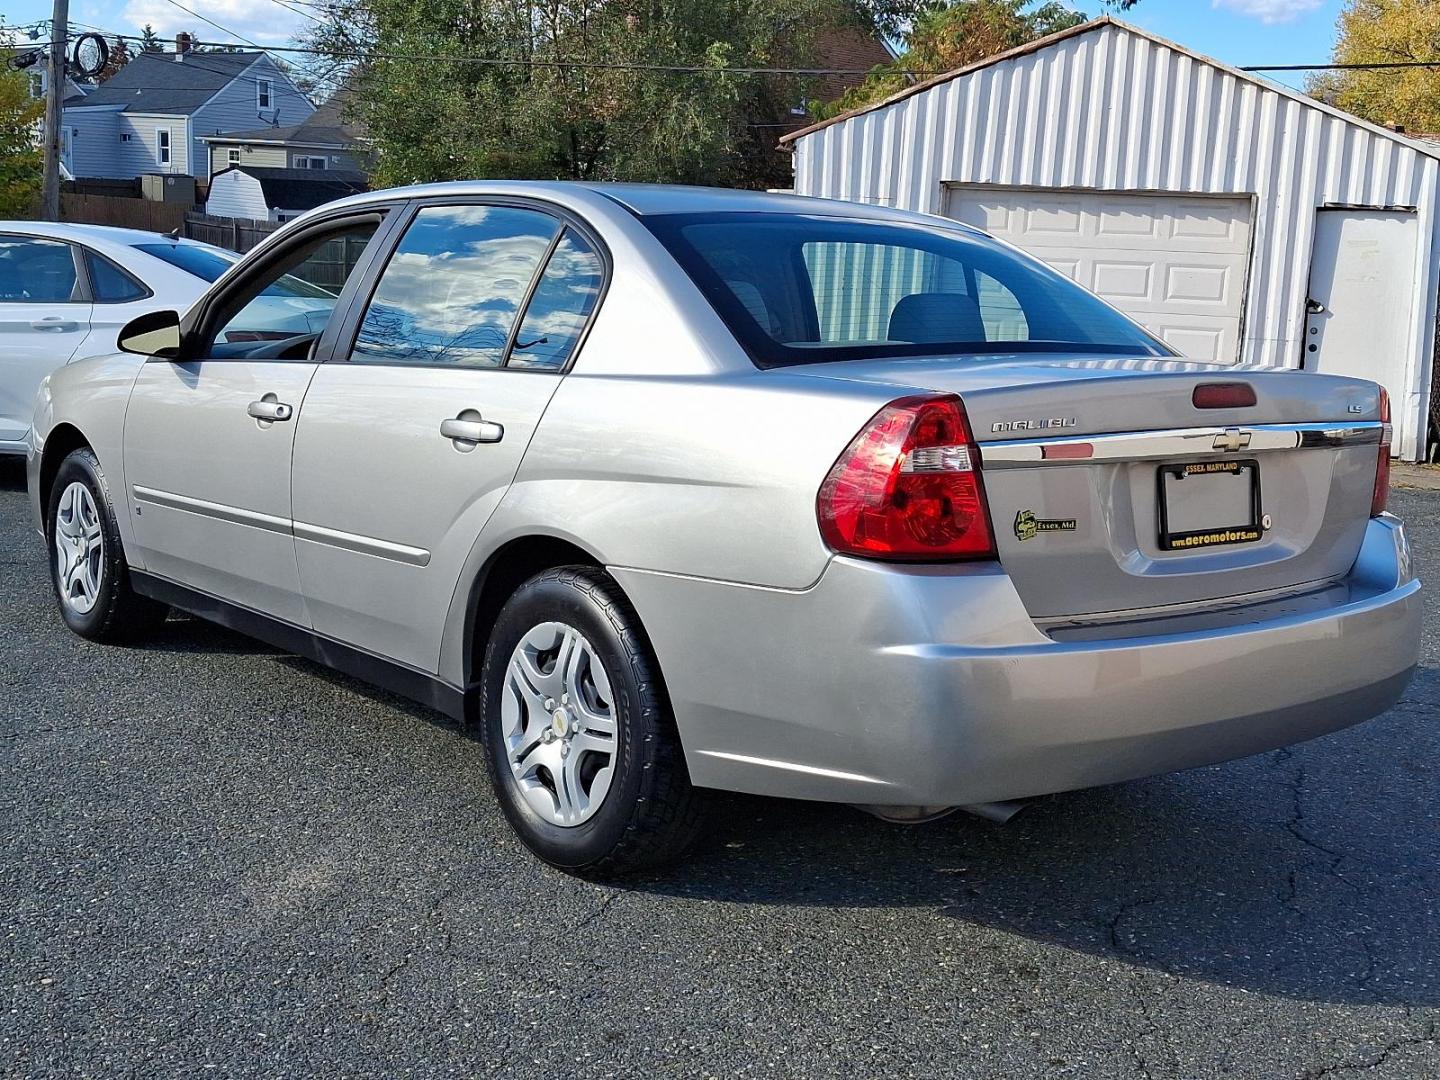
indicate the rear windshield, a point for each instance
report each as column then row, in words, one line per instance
column 208, row 264
column 799, row 289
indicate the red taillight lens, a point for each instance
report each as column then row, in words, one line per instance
column 908, row 487
column 1382, row 464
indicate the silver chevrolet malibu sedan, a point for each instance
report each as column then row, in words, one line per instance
column 667, row 490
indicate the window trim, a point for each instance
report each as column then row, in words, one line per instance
column 564, row 216
column 82, row 279
column 264, row 93
column 195, row 326
column 164, row 153
column 232, row 155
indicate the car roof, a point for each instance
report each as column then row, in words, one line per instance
column 642, row 200
column 67, row 230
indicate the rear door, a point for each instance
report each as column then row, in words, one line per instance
column 44, row 316
column 208, row 436
column 414, row 432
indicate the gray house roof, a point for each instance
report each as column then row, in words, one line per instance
column 326, row 127
column 158, row 83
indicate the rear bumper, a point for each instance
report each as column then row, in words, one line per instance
column 931, row 686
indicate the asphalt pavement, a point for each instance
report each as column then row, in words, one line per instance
column 218, row 860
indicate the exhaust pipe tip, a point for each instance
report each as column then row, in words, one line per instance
column 998, row 812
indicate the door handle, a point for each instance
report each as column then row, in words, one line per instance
column 1314, row 307
column 54, row 322
column 465, row 430
column 267, row 408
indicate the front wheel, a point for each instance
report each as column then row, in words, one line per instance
column 579, row 739
column 87, row 562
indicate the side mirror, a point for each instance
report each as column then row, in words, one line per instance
column 156, row 333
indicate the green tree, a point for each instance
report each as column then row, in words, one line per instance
column 20, row 156
column 947, row 36
column 1382, row 32
column 149, row 40
column 573, row 89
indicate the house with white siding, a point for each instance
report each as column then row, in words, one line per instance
column 149, row 116
column 1240, row 220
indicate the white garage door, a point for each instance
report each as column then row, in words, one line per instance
column 1174, row 263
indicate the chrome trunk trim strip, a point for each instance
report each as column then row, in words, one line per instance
column 1175, row 443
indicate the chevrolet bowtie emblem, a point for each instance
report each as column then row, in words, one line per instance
column 1232, row 440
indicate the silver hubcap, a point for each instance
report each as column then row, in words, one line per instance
column 558, row 718
column 79, row 549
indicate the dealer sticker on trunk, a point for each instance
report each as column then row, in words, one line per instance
column 1027, row 525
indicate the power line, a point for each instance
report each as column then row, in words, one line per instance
column 594, row 65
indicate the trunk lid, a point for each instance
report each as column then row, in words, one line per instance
column 1101, row 473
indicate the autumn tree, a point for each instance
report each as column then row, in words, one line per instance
column 948, row 36
column 20, row 157
column 1386, row 32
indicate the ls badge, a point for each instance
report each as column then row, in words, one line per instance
column 1027, row 525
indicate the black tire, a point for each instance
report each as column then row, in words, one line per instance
column 651, row 813
column 119, row 613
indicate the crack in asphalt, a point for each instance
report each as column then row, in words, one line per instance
column 1381, row 1058
column 1295, row 824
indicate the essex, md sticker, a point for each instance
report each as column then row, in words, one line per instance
column 1027, row 525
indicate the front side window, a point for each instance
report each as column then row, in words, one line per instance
column 797, row 288
column 452, row 289
column 293, row 298
column 36, row 271
column 110, row 284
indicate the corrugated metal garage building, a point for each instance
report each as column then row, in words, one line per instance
column 1242, row 221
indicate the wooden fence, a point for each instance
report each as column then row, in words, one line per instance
column 126, row 213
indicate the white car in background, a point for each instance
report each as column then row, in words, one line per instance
column 66, row 290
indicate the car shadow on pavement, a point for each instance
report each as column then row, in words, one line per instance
column 1287, row 874
column 12, row 473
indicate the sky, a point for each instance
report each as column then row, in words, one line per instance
column 1238, row 32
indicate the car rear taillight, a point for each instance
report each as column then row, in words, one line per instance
column 1382, row 464
column 908, row 487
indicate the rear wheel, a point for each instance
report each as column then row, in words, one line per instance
column 579, row 739
column 87, row 562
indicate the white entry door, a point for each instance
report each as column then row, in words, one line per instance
column 1174, row 263
column 1362, row 277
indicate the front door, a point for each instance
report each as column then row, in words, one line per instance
column 405, row 449
column 43, row 319
column 1358, row 313
column 208, row 440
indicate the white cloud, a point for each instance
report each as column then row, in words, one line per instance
column 1267, row 11
column 261, row 21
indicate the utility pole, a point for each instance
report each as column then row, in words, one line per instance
column 54, row 96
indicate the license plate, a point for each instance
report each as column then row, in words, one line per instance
column 1209, row 504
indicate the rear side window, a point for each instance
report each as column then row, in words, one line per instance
column 454, row 287
column 109, row 284
column 563, row 300
column 36, row 271
column 797, row 288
